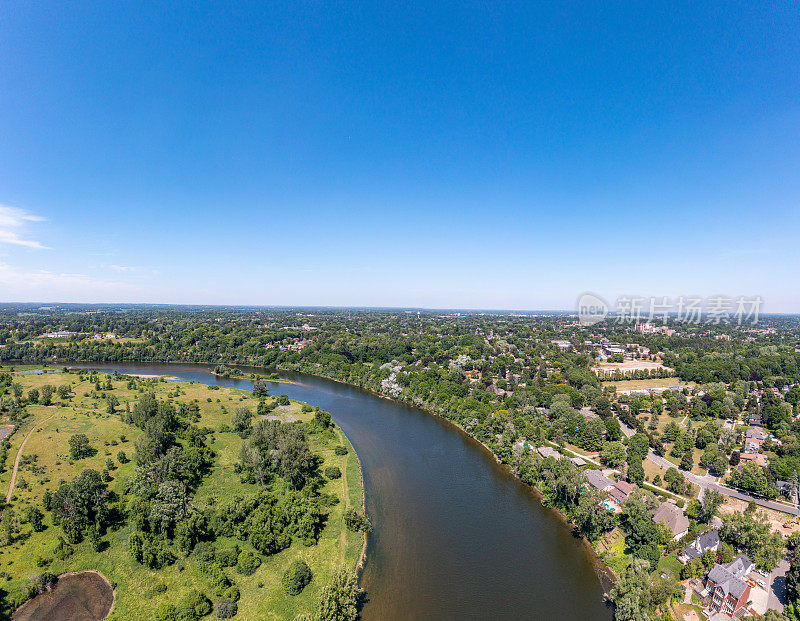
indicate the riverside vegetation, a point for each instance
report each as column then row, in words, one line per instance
column 192, row 500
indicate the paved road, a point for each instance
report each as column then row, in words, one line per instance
column 709, row 482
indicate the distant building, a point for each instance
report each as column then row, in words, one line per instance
column 756, row 432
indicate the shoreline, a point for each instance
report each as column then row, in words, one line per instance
column 605, row 573
column 363, row 556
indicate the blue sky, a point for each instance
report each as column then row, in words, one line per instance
column 450, row 154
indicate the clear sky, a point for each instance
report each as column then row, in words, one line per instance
column 445, row 154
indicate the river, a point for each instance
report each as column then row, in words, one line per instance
column 455, row 535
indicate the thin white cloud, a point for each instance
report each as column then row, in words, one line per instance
column 24, row 285
column 12, row 223
column 136, row 270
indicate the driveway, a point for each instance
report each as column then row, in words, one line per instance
column 777, row 582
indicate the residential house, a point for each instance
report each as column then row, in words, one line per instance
column 598, row 480
column 707, row 541
column 757, row 458
column 673, row 518
column 752, row 445
column 621, row 491
column 755, row 432
column 577, row 461
column 588, row 413
column 546, row 451
column 727, row 585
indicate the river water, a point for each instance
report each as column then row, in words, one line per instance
column 455, row 536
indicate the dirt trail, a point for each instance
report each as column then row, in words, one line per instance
column 19, row 456
column 346, row 493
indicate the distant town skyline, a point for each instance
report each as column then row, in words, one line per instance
column 449, row 156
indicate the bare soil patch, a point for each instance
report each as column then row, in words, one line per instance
column 80, row 596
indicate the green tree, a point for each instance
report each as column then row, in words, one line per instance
column 631, row 593
column 79, row 446
column 687, row 461
column 614, row 454
column 613, row 429
column 296, row 577
column 47, row 394
column 80, row 504
column 793, row 580
column 241, row 421
column 340, row 598
column 193, row 605
column 712, row 501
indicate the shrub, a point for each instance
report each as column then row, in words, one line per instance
column 247, row 563
column 340, row 599
column 232, row 593
column 340, row 450
column 333, row 472
column 166, row 612
column 39, row 584
column 227, row 557
column 62, row 549
column 296, row 578
column 194, row 605
column 356, row 522
column 225, row 609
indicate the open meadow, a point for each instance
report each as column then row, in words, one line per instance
column 45, row 463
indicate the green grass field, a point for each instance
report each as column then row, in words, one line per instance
column 261, row 594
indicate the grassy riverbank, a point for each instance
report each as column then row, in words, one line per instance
column 140, row 591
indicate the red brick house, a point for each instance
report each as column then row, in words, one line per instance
column 726, row 584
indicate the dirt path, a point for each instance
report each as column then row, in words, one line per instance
column 19, row 456
column 346, row 494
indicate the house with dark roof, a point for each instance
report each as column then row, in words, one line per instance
column 673, row 518
column 756, row 432
column 707, row 541
column 598, row 481
column 727, row 585
column 546, row 451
